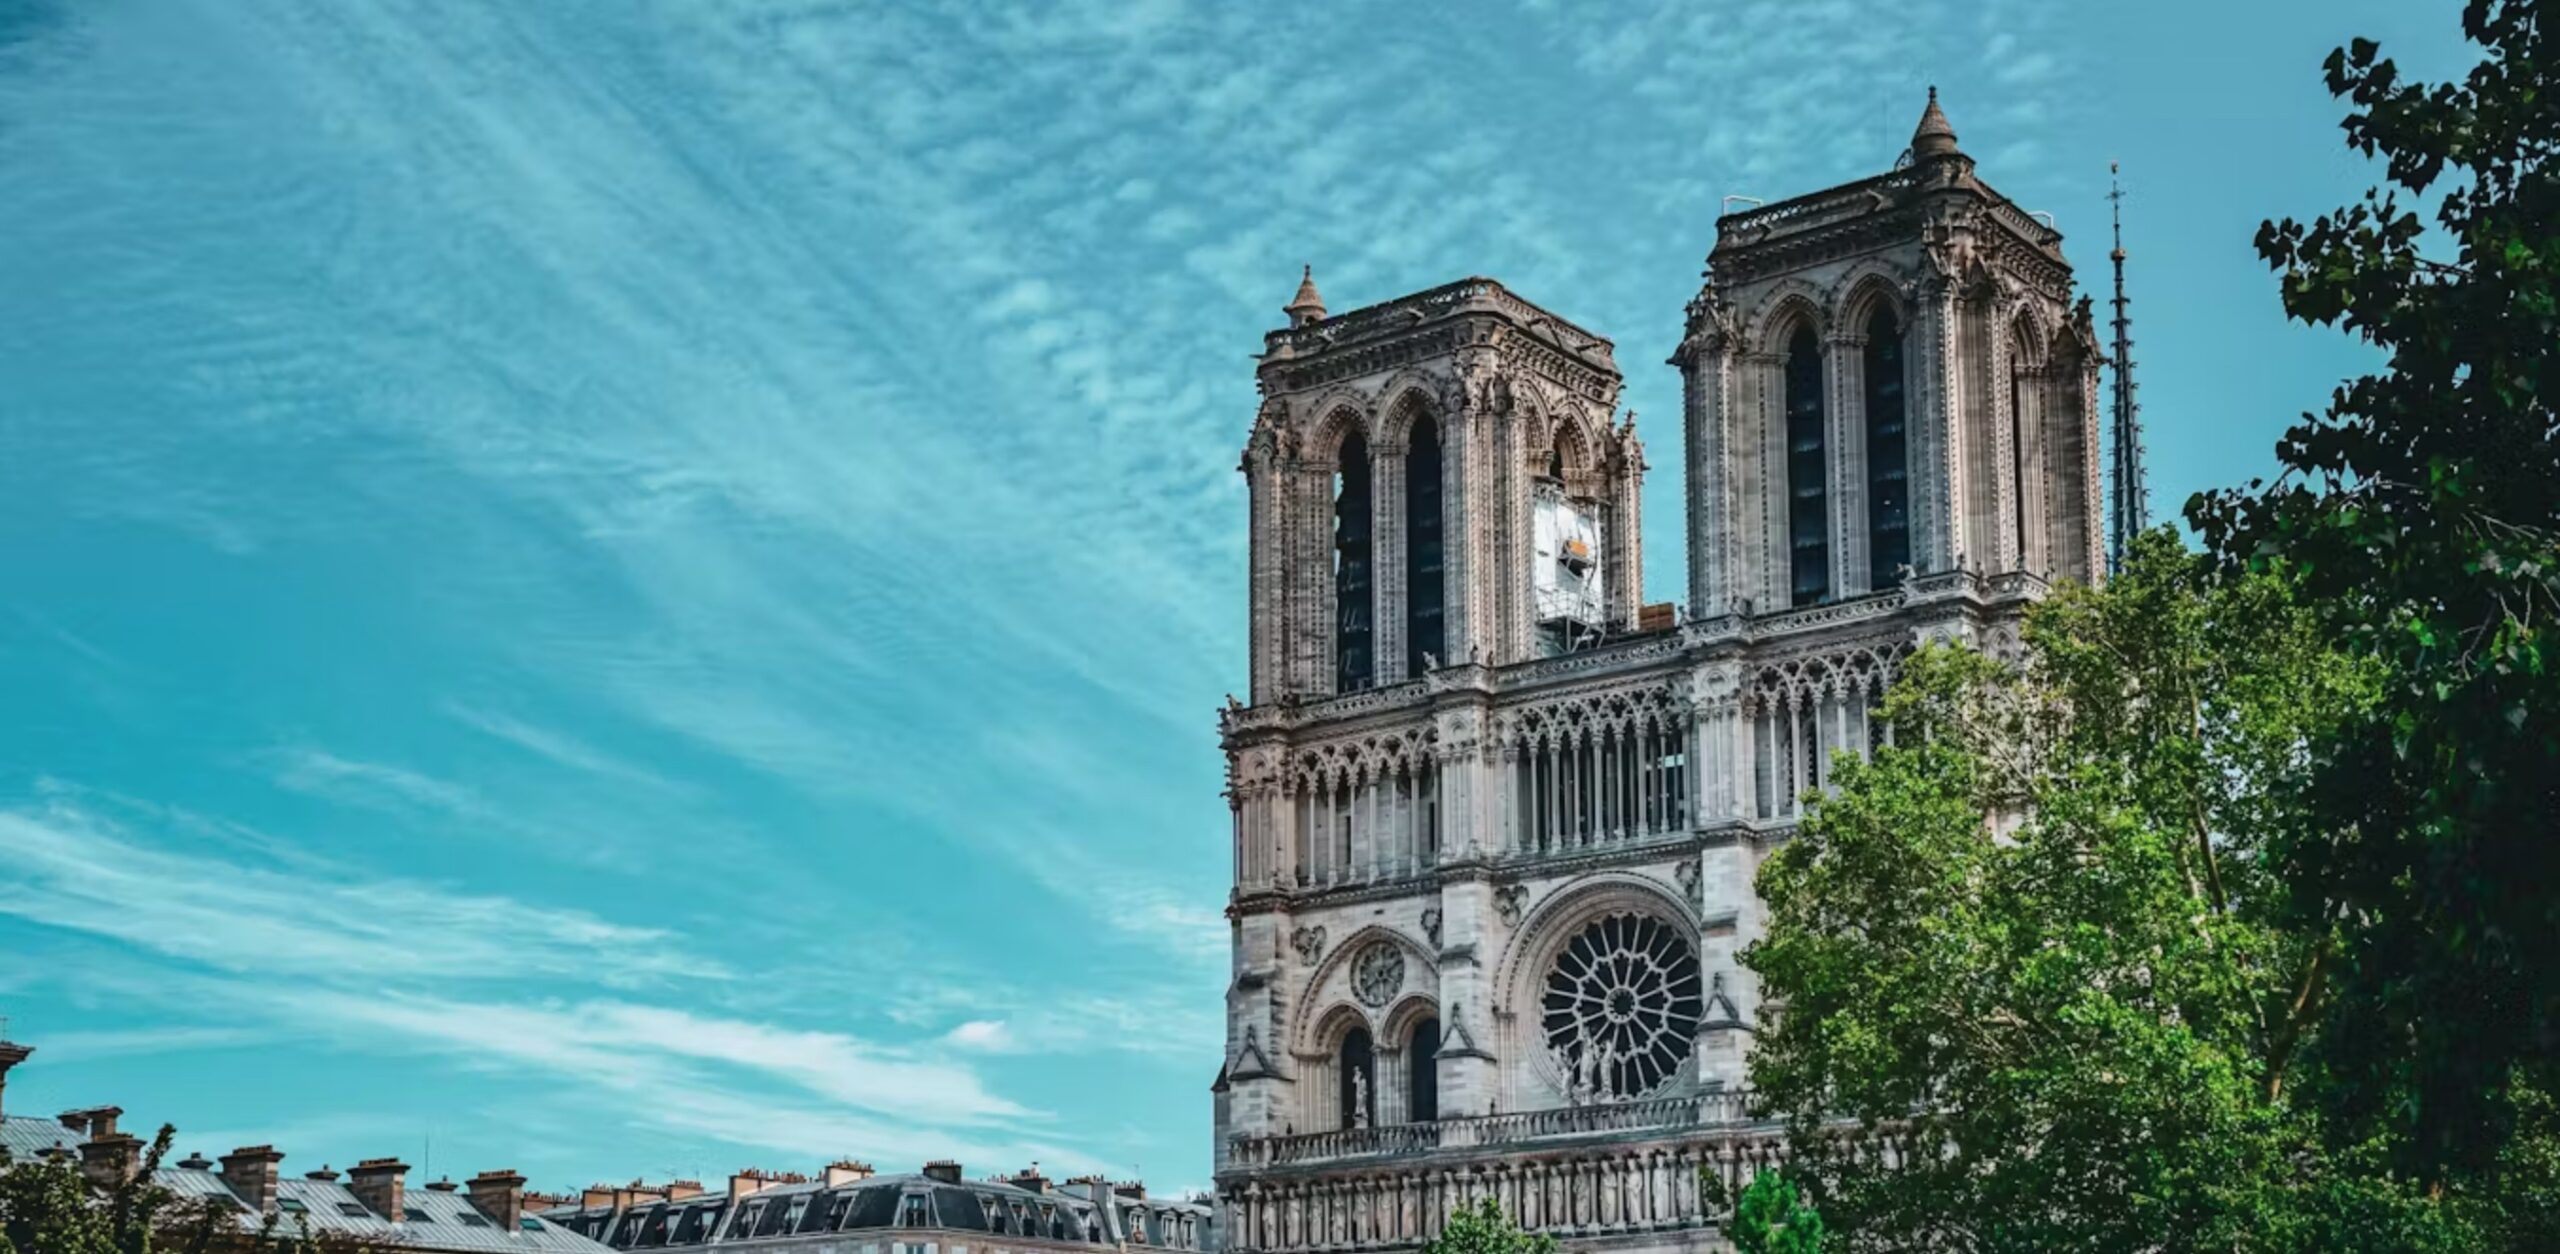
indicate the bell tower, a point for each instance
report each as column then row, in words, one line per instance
column 1435, row 480
column 1884, row 379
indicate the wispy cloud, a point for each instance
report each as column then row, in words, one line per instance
column 71, row 869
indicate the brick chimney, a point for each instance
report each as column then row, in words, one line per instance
column 324, row 1175
column 744, row 1183
column 1030, row 1178
column 380, row 1183
column 499, row 1195
column 943, row 1170
column 109, row 1160
column 442, row 1185
column 845, row 1171
column 679, row 1190
column 11, row 1054
column 251, row 1173
column 597, row 1195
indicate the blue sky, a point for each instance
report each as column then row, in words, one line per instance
column 639, row 588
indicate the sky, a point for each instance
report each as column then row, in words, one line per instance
column 628, row 588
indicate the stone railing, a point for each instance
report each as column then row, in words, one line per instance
column 1706, row 1110
column 1403, row 313
column 1843, row 201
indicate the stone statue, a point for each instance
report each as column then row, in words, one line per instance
column 1359, row 1099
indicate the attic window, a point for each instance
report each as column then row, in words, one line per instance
column 530, row 1224
column 474, row 1221
column 291, row 1205
column 415, row 1215
column 352, row 1210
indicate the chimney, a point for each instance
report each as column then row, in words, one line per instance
column 1030, row 1178
column 378, row 1183
column 1136, row 1189
column 679, row 1190
column 846, row 1171
column 251, row 1173
column 597, row 1195
column 442, row 1185
column 499, row 1195
column 745, row 1182
column 109, row 1160
column 195, row 1162
column 324, row 1175
column 537, row 1202
column 11, row 1054
column 942, row 1170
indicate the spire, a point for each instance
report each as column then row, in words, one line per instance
column 2129, row 511
column 1935, row 136
column 1308, row 305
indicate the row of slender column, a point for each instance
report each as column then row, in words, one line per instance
column 1793, row 738
column 1355, row 831
column 1606, row 784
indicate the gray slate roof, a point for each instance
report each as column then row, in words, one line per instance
column 781, row 1212
column 436, row 1220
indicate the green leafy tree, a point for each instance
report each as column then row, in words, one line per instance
column 2087, row 1013
column 2420, row 513
column 1771, row 1219
column 1484, row 1229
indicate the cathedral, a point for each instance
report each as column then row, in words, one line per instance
column 1495, row 819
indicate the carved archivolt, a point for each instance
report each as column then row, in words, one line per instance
column 1325, row 1012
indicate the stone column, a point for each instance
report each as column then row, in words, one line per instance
column 1386, row 557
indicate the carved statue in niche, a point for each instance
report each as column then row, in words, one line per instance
column 1431, row 925
column 1508, row 901
column 1688, row 875
column 1359, row 1099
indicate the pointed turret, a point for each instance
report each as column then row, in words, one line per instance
column 1308, row 305
column 1935, row 136
column 2130, row 511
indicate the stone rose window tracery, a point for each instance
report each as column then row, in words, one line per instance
column 1377, row 974
column 1621, row 1007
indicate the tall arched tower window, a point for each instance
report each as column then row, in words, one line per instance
column 1425, row 616
column 1808, row 498
column 1357, row 1102
column 1354, row 604
column 1422, row 1086
column 1888, row 456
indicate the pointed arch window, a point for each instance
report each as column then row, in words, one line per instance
column 1808, row 498
column 1425, row 616
column 1357, row 1103
column 1422, row 1086
column 1354, row 605
column 1888, row 453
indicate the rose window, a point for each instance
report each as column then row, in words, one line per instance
column 1377, row 973
column 1622, row 1007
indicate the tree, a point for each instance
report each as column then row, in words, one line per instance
column 2090, row 1012
column 2420, row 514
column 1771, row 1219
column 1484, row 1229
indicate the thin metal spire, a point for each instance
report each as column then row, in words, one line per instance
column 2130, row 510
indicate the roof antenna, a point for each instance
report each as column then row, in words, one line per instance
column 2130, row 511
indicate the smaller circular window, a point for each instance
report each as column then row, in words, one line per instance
column 1377, row 973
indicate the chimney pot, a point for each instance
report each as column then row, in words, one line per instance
column 500, row 1196
column 195, row 1162
column 324, row 1175
column 442, row 1186
column 251, row 1173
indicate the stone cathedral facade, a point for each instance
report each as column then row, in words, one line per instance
column 1495, row 820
